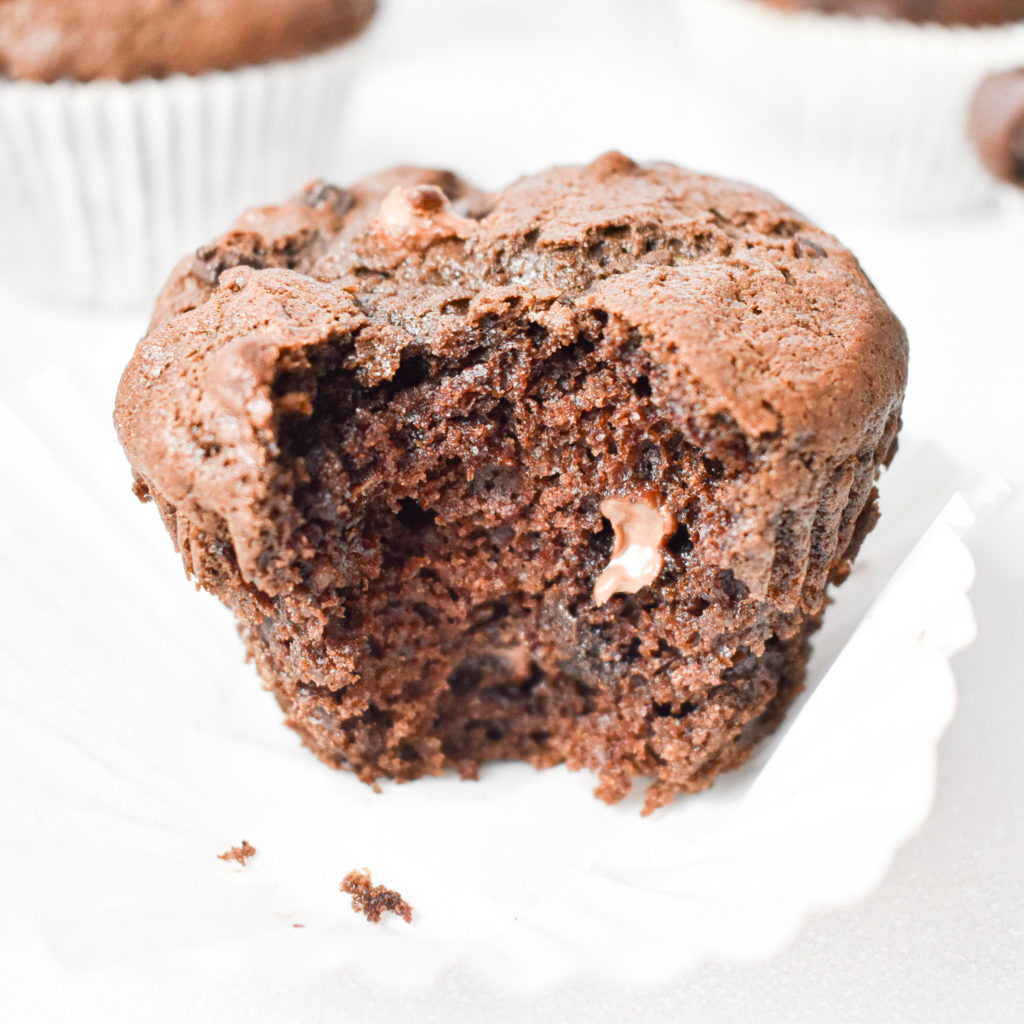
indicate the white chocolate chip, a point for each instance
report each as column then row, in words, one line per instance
column 422, row 211
column 640, row 530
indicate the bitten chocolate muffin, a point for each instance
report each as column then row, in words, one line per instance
column 941, row 12
column 46, row 40
column 558, row 474
column 997, row 125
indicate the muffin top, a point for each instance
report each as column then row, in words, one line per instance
column 943, row 12
column 997, row 125
column 46, row 40
column 743, row 309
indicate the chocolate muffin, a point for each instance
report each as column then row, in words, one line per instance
column 45, row 40
column 941, row 12
column 997, row 125
column 557, row 474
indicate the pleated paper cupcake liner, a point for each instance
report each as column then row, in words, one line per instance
column 852, row 115
column 105, row 185
column 136, row 746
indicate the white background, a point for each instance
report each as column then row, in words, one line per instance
column 495, row 89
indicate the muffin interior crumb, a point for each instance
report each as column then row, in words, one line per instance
column 457, row 519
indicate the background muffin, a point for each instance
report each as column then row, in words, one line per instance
column 942, row 12
column 127, row 128
column 997, row 130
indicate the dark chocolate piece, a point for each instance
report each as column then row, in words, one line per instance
column 239, row 853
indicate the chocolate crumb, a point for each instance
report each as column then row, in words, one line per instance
column 240, row 853
column 372, row 900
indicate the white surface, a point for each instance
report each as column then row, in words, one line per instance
column 942, row 938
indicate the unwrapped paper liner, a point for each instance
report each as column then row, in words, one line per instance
column 135, row 746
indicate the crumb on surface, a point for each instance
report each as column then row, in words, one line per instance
column 372, row 900
column 240, row 853
column 297, row 924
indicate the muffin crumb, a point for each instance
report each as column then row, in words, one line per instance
column 372, row 900
column 240, row 853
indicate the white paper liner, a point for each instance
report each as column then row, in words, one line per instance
column 836, row 113
column 105, row 185
column 135, row 746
